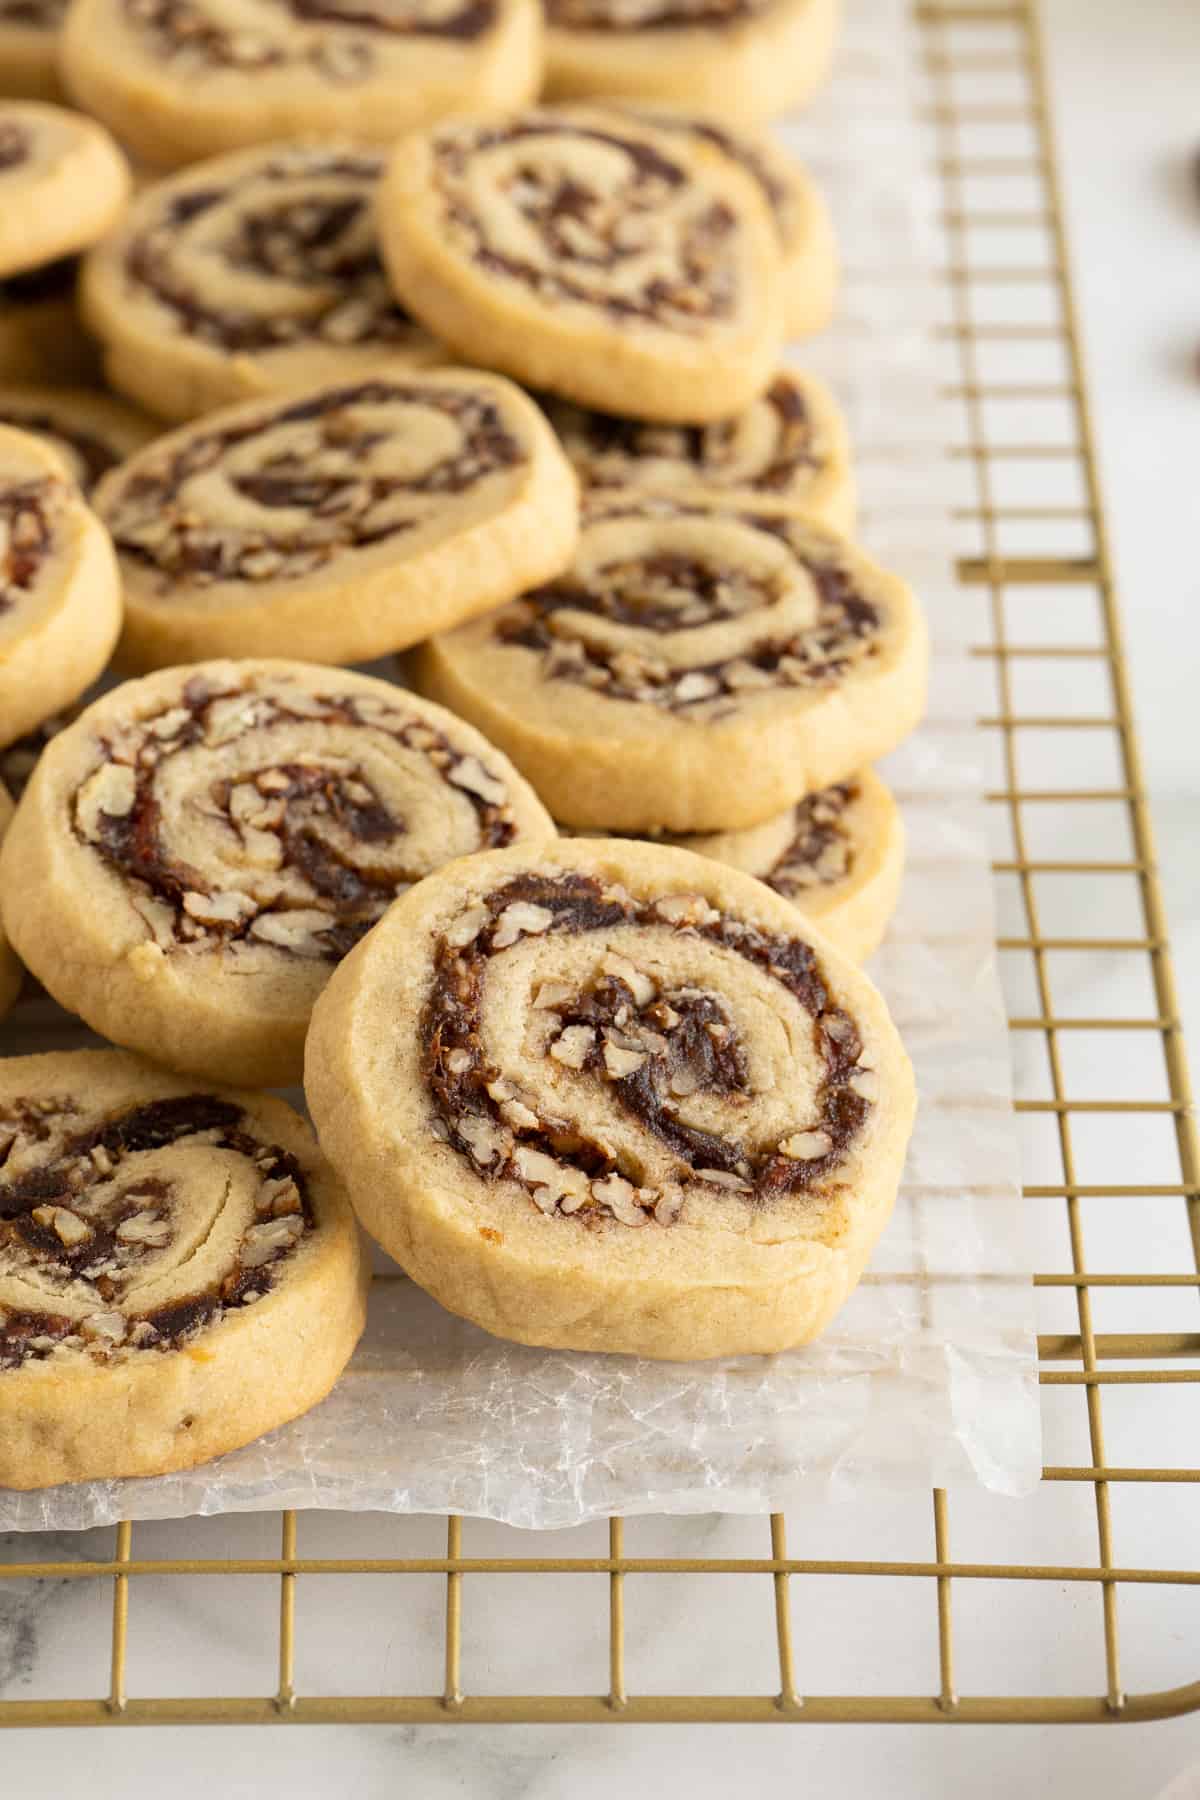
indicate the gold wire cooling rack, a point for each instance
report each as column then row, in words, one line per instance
column 1035, row 563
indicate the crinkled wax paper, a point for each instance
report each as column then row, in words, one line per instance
column 928, row 1375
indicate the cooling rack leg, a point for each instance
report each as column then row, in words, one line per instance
column 617, row 1696
column 286, row 1696
column 789, row 1699
column 120, row 1620
column 947, row 1695
column 452, row 1697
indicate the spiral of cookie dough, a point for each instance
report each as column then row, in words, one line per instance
column 63, row 183
column 742, row 60
column 252, row 273
column 60, row 601
column 591, row 254
column 623, row 1045
column 215, row 838
column 341, row 524
column 787, row 452
column 837, row 855
column 183, row 79
column 91, row 431
column 800, row 659
column 795, row 202
column 138, row 1218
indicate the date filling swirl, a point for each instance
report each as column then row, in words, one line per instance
column 687, row 611
column 40, row 15
column 279, row 253
column 134, row 1230
column 281, row 820
column 642, row 1069
column 650, row 15
column 338, row 40
column 820, row 850
column 590, row 214
column 767, row 448
column 276, row 496
column 28, row 510
column 16, row 145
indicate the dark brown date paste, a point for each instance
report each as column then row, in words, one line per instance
column 598, row 443
column 97, row 1253
column 586, row 234
column 679, row 1032
column 306, row 798
column 845, row 631
column 281, row 233
column 347, row 500
column 27, row 510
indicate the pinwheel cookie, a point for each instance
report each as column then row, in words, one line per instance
column 28, row 48
column 612, row 1096
column 744, row 60
column 837, row 856
column 91, row 431
column 339, row 525
column 62, row 184
column 692, row 671
column 210, row 840
column 787, row 452
column 179, row 1270
column 60, row 602
column 590, row 254
column 41, row 339
column 251, row 274
column 797, row 208
column 182, row 79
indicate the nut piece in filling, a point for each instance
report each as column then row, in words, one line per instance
column 60, row 600
column 787, row 452
column 742, row 60
column 838, row 856
column 28, row 48
column 592, row 255
column 255, row 273
column 693, row 671
column 179, row 1269
column 63, row 182
column 643, row 1108
column 338, row 525
column 212, row 840
column 91, row 431
column 183, row 79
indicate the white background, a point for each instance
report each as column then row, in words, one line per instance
column 1127, row 103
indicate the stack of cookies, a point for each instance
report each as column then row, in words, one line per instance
column 558, row 915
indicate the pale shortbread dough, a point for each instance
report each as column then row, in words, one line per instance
column 253, row 273
column 590, row 254
column 692, row 671
column 63, row 183
column 340, row 523
column 179, row 1270
column 614, row 1097
column 60, row 598
column 194, row 854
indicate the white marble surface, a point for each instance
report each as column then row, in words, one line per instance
column 1129, row 127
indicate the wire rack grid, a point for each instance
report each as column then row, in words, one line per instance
column 1035, row 563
